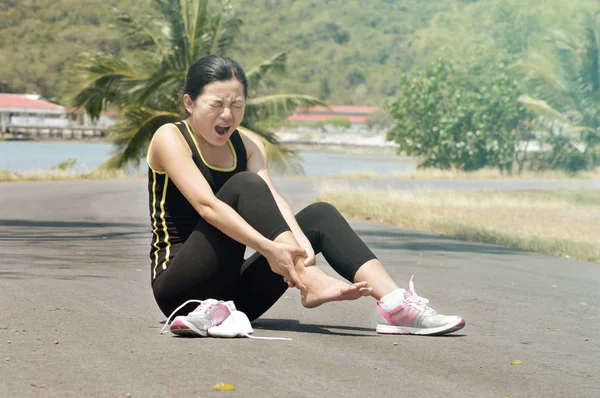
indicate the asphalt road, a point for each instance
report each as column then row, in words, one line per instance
column 77, row 317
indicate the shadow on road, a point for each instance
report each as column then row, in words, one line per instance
column 293, row 325
column 33, row 231
column 415, row 241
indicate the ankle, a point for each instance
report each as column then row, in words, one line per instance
column 392, row 299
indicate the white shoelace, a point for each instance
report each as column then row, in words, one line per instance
column 420, row 301
column 204, row 305
column 167, row 323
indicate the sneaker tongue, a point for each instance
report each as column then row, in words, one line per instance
column 206, row 304
column 231, row 305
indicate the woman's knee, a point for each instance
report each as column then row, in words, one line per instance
column 245, row 183
column 247, row 179
column 323, row 210
column 318, row 214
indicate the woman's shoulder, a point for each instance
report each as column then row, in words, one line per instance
column 167, row 138
column 251, row 140
column 166, row 134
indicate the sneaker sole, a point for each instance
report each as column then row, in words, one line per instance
column 181, row 327
column 389, row 329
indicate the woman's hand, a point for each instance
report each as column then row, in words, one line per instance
column 281, row 258
column 310, row 253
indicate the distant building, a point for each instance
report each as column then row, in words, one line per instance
column 29, row 114
column 79, row 117
column 355, row 114
column 30, row 110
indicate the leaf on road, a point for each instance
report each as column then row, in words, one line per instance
column 516, row 362
column 223, row 387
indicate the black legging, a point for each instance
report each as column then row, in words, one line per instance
column 208, row 264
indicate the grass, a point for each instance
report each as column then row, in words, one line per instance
column 483, row 174
column 560, row 222
column 60, row 175
column 494, row 174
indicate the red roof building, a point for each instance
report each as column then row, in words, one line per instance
column 22, row 103
column 356, row 114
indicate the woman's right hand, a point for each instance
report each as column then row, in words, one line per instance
column 281, row 258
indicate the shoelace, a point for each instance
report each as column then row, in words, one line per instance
column 421, row 301
column 203, row 307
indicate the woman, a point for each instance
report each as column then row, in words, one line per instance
column 211, row 196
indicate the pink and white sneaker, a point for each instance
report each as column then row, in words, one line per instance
column 209, row 313
column 414, row 316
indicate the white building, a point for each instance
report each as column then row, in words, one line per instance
column 30, row 110
column 30, row 114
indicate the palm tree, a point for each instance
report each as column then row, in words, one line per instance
column 146, row 87
column 566, row 86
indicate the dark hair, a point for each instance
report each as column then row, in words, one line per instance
column 209, row 69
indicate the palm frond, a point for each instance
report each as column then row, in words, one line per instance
column 176, row 31
column 138, row 35
column 133, row 134
column 196, row 21
column 105, row 80
column 225, row 33
column 275, row 64
column 541, row 74
column 579, row 130
column 270, row 110
column 541, row 108
column 282, row 160
column 164, row 82
column 591, row 55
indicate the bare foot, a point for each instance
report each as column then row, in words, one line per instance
column 321, row 288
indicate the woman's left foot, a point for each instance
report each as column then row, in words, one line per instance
column 414, row 316
column 322, row 288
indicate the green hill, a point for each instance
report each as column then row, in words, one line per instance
column 347, row 52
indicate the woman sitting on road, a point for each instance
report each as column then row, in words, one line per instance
column 211, row 196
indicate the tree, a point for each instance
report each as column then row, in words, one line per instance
column 146, row 86
column 565, row 88
column 447, row 122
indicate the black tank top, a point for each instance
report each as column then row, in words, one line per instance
column 173, row 218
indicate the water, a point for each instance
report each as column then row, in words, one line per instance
column 29, row 156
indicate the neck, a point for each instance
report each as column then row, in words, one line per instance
column 202, row 142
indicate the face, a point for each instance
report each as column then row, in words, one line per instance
column 217, row 111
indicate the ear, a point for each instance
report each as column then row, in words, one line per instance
column 188, row 103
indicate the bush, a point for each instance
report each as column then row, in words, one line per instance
column 447, row 122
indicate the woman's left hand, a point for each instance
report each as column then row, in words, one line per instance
column 310, row 253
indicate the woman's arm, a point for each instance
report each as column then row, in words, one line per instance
column 170, row 153
column 258, row 163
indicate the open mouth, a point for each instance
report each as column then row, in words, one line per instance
column 222, row 130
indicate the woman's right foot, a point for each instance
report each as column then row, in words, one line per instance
column 322, row 288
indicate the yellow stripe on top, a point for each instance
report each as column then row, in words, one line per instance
column 148, row 152
column 154, row 229
column 189, row 130
column 164, row 223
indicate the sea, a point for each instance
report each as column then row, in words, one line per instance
column 24, row 156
